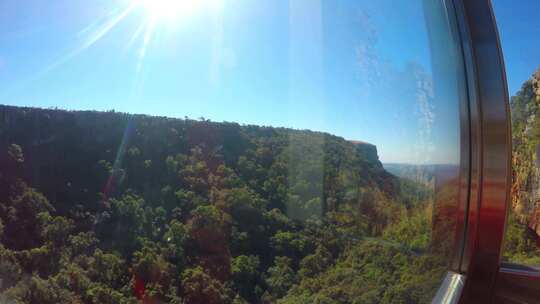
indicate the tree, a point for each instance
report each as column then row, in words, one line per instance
column 38, row 290
column 108, row 269
column 315, row 263
column 16, row 153
column 199, row 287
column 247, row 277
column 280, row 277
column 175, row 239
column 11, row 271
column 23, row 225
column 152, row 272
column 83, row 243
column 125, row 227
column 55, row 229
column 289, row 243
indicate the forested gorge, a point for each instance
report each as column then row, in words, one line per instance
column 105, row 207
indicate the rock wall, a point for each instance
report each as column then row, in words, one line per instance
column 367, row 149
column 525, row 107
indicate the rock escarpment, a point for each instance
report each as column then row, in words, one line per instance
column 368, row 150
column 525, row 109
column 384, row 179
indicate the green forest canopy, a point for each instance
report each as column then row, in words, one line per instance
column 116, row 208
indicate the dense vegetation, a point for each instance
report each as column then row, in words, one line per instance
column 115, row 208
column 523, row 228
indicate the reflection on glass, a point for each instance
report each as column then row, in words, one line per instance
column 322, row 166
column 522, row 240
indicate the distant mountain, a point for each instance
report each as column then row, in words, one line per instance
column 423, row 174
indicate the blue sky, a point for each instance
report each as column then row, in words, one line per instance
column 358, row 69
column 520, row 38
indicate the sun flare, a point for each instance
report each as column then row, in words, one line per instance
column 171, row 11
column 156, row 15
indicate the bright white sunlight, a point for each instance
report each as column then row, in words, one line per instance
column 173, row 11
column 156, row 15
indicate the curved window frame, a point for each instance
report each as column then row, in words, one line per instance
column 490, row 149
column 476, row 274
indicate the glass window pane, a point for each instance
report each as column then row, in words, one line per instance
column 228, row 151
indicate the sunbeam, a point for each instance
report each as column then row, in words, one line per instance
column 140, row 29
column 146, row 40
column 154, row 15
column 94, row 37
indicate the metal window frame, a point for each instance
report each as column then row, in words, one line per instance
column 517, row 284
column 488, row 148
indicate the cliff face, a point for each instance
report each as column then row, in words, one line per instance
column 383, row 179
column 525, row 108
column 368, row 150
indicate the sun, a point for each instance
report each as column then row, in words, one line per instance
column 156, row 15
column 171, row 11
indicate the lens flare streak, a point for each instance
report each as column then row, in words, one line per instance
column 154, row 12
